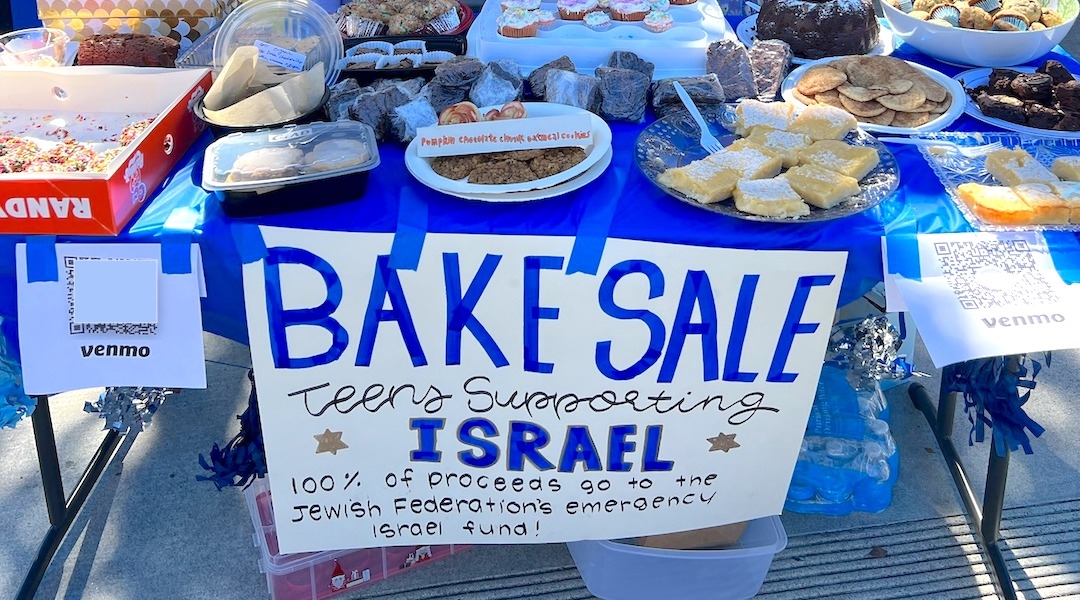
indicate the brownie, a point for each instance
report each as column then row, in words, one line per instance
column 128, row 49
column 1056, row 71
column 999, row 106
column 1041, row 116
column 771, row 60
column 1070, row 122
column 1000, row 81
column 1033, row 86
column 1067, row 95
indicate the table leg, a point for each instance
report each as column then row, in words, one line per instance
column 62, row 511
column 941, row 419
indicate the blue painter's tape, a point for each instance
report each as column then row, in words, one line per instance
column 902, row 251
column 595, row 224
column 411, row 230
column 249, row 242
column 1065, row 252
column 175, row 253
column 41, row 259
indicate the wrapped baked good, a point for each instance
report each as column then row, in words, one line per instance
column 499, row 83
column 770, row 60
column 730, row 62
column 460, row 72
column 621, row 59
column 702, row 90
column 623, row 94
column 538, row 78
column 373, row 108
column 405, row 119
column 575, row 89
column 342, row 95
column 441, row 96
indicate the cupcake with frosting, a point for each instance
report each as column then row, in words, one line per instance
column 629, row 10
column 518, row 23
column 575, row 10
column 526, row 4
column 658, row 21
column 661, row 4
column 546, row 18
column 597, row 20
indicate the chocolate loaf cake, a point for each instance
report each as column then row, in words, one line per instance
column 819, row 28
column 128, row 49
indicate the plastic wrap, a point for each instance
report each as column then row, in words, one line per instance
column 730, row 62
column 405, row 119
column 574, row 89
column 628, row 60
column 771, row 60
column 342, row 94
column 623, row 94
column 538, row 78
column 702, row 90
column 459, row 72
column 499, row 83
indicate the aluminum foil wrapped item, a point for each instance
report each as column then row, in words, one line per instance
column 771, row 60
column 458, row 72
column 127, row 409
column 409, row 86
column 342, row 95
column 623, row 94
column 405, row 119
column 538, row 78
column 628, row 60
column 373, row 108
column 499, row 83
column 730, row 62
column 566, row 87
column 868, row 349
column 705, row 91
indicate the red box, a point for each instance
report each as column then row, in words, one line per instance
column 319, row 575
column 92, row 104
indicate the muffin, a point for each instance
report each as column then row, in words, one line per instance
column 575, row 10
column 518, row 23
column 658, row 21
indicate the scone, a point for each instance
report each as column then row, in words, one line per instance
column 754, row 113
column 1048, row 207
column 820, row 186
column 995, row 204
column 854, row 161
column 824, row 122
column 771, row 197
column 1013, row 167
column 333, row 155
column 266, row 163
column 782, row 143
column 1066, row 168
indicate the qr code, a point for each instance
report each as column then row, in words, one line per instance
column 993, row 274
column 110, row 328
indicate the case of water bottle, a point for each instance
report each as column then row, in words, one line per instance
column 848, row 460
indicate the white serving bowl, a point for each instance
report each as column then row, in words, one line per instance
column 974, row 47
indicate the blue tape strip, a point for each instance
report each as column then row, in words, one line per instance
column 249, row 242
column 1065, row 252
column 41, row 259
column 411, row 230
column 175, row 253
column 595, row 224
column 902, row 251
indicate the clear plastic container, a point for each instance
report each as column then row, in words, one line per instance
column 281, row 23
column 37, row 47
column 618, row 571
column 291, row 168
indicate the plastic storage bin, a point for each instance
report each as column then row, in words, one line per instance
column 620, row 571
column 319, row 575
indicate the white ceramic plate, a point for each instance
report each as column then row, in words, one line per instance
column 944, row 120
column 747, row 34
column 421, row 167
column 973, row 78
column 590, row 175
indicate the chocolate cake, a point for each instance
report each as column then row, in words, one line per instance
column 1041, row 116
column 128, row 49
column 819, row 28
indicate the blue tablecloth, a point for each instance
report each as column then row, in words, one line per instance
column 641, row 212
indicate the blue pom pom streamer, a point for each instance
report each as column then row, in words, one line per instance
column 243, row 458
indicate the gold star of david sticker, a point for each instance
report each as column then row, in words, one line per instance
column 329, row 441
column 723, row 441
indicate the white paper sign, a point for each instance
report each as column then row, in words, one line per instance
column 59, row 355
column 294, row 61
column 504, row 135
column 115, row 291
column 488, row 397
column 989, row 294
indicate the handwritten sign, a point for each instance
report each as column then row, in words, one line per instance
column 489, row 397
column 500, row 136
column 294, row 61
column 987, row 294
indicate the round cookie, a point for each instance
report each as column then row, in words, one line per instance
column 333, row 155
column 266, row 163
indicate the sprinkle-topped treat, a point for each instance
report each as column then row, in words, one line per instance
column 772, row 197
column 629, row 10
column 658, row 21
column 1013, row 167
column 518, row 23
column 575, row 10
column 597, row 20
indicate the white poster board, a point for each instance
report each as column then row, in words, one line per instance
column 488, row 397
column 988, row 294
column 71, row 338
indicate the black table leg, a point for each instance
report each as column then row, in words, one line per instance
column 62, row 511
column 986, row 518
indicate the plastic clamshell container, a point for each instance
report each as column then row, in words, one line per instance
column 620, row 571
column 302, row 177
column 277, row 22
column 320, row 575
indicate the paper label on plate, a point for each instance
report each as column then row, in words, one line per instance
column 277, row 55
column 501, row 136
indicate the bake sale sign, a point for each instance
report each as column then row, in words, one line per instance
column 488, row 396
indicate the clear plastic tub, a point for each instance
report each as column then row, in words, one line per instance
column 291, row 168
column 37, row 47
column 281, row 23
column 619, row 571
